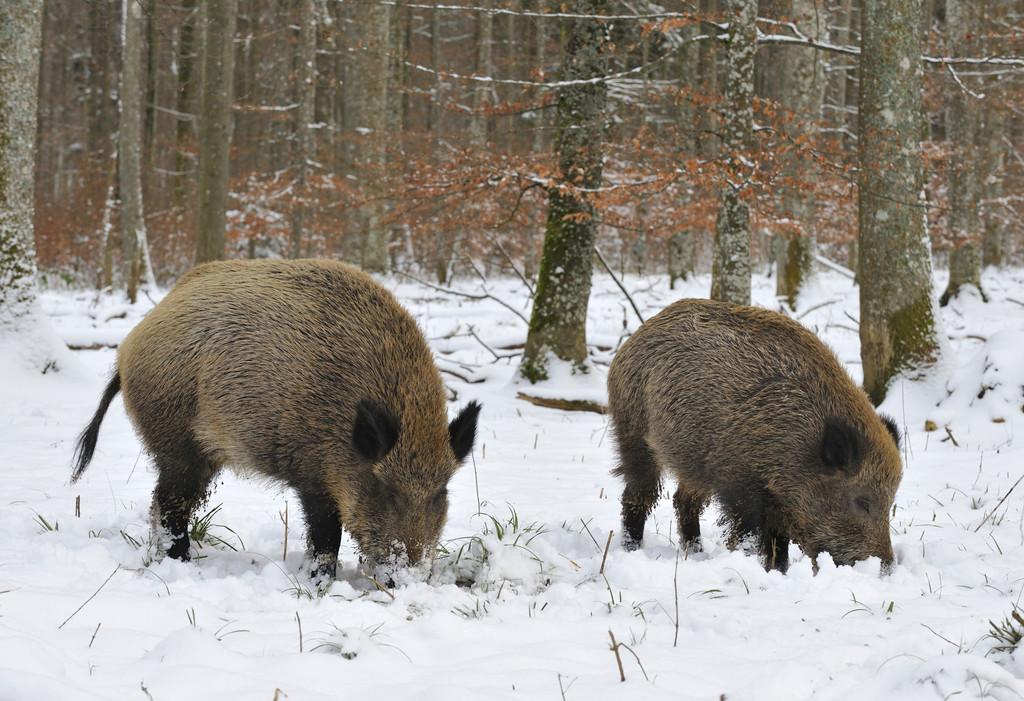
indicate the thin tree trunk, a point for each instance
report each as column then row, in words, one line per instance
column 129, row 151
column 479, row 121
column 215, row 128
column 898, row 326
column 994, row 244
column 372, row 122
column 803, row 94
column 558, row 323
column 304, row 150
column 730, row 272
column 184, row 130
column 962, row 131
column 20, row 37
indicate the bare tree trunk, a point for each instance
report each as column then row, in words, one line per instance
column 304, row 150
column 898, row 326
column 184, row 131
column 994, row 244
column 20, row 37
column 730, row 272
column 962, row 132
column 215, row 128
column 374, row 22
column 129, row 151
column 479, row 121
column 558, row 324
column 803, row 95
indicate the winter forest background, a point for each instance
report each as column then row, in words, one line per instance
column 533, row 179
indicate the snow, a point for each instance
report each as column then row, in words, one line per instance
column 519, row 608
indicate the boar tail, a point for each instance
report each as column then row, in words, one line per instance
column 86, row 445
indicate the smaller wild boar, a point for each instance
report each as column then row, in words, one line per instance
column 306, row 372
column 747, row 406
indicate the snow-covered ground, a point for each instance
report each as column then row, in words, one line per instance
column 519, row 608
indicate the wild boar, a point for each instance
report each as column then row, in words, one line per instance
column 747, row 406
column 306, row 372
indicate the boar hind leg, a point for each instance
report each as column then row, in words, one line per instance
column 689, row 506
column 643, row 481
column 323, row 529
column 183, row 483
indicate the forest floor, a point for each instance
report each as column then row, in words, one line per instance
column 519, row 608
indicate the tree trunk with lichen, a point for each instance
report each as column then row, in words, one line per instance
column 994, row 239
column 129, row 150
column 20, row 35
column 303, row 146
column 730, row 271
column 802, row 98
column 898, row 325
column 215, row 128
column 372, row 120
column 558, row 323
column 962, row 132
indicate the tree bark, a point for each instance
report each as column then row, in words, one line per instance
column 558, row 322
column 730, row 272
column 898, row 325
column 803, row 94
column 129, row 151
column 962, row 133
column 215, row 128
column 479, row 121
column 375, row 20
column 20, row 37
column 304, row 148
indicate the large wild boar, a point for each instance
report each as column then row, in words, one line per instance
column 747, row 406
column 306, row 372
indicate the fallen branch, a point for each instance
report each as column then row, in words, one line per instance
column 564, row 404
column 466, row 295
column 836, row 267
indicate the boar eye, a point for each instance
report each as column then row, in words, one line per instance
column 863, row 505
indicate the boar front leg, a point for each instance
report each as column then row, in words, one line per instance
column 323, row 529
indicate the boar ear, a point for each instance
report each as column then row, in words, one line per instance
column 462, row 431
column 840, row 447
column 375, row 431
column 892, row 428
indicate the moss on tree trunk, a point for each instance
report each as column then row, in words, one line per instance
column 898, row 328
column 558, row 324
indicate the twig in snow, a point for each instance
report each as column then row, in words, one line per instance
column 284, row 519
column 299, row 622
column 459, row 293
column 675, row 590
column 622, row 287
column 990, row 513
column 379, row 585
column 73, row 613
column 93, row 638
column 618, row 659
column 607, row 545
column 949, row 434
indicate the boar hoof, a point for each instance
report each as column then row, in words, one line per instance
column 629, row 543
column 179, row 550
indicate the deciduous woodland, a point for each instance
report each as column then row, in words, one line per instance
column 532, row 184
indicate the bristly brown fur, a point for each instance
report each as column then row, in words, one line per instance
column 747, row 406
column 263, row 365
